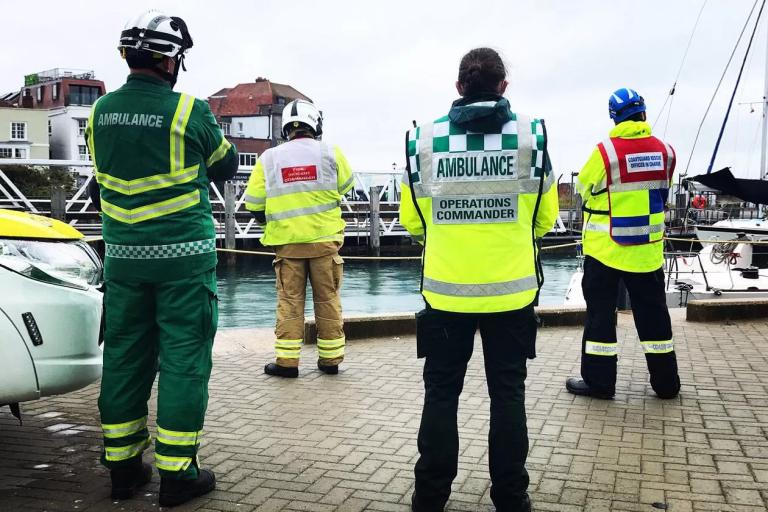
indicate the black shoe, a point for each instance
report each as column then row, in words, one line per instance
column 666, row 389
column 519, row 504
column 330, row 370
column 129, row 477
column 175, row 492
column 525, row 504
column 579, row 387
column 281, row 371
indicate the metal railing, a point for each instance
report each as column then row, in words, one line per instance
column 77, row 209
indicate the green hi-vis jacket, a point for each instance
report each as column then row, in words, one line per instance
column 474, row 180
column 154, row 153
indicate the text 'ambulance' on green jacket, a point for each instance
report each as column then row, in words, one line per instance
column 299, row 186
column 475, row 177
column 592, row 184
column 155, row 152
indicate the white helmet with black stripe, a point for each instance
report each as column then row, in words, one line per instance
column 153, row 33
column 302, row 112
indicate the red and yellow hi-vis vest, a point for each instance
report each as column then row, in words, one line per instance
column 638, row 173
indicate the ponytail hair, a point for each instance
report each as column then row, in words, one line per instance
column 480, row 71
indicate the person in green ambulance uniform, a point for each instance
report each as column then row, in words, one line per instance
column 154, row 153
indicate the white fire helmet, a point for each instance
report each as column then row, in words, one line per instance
column 155, row 32
column 302, row 112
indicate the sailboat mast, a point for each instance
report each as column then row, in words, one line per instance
column 764, row 146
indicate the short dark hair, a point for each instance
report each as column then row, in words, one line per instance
column 303, row 129
column 481, row 70
column 640, row 116
column 141, row 59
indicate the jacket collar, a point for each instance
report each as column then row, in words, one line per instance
column 140, row 79
column 631, row 130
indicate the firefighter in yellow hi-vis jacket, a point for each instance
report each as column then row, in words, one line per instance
column 296, row 190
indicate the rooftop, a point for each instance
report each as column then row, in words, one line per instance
column 247, row 99
column 52, row 75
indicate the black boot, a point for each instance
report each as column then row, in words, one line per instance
column 175, row 492
column 330, row 369
column 579, row 387
column 128, row 477
column 525, row 504
column 667, row 388
column 281, row 371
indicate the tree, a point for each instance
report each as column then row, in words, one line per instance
column 36, row 181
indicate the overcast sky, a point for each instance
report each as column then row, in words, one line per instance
column 372, row 67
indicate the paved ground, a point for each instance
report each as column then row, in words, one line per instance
column 348, row 442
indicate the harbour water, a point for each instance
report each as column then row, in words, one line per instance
column 247, row 290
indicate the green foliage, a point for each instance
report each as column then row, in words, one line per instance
column 36, row 181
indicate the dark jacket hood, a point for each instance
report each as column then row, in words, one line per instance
column 484, row 113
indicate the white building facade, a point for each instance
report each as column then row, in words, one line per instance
column 67, row 132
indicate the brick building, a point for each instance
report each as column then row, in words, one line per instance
column 250, row 115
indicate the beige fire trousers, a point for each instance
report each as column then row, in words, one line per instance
column 324, row 273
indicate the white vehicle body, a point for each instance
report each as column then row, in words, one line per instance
column 50, row 314
column 68, row 322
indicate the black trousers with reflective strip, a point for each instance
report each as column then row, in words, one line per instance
column 600, row 285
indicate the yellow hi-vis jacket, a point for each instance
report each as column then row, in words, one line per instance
column 299, row 186
column 477, row 193
column 592, row 185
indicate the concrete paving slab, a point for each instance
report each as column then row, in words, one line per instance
column 349, row 442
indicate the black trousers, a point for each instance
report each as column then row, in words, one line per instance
column 446, row 340
column 649, row 308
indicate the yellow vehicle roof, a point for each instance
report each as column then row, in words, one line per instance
column 15, row 224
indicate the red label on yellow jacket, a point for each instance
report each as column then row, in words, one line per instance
column 300, row 173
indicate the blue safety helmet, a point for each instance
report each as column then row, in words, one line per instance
column 625, row 103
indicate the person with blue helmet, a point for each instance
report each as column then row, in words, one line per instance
column 625, row 103
column 624, row 188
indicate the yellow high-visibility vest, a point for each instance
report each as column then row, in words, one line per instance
column 299, row 186
column 477, row 194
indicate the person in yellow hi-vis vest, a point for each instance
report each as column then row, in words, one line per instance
column 296, row 190
column 624, row 187
column 478, row 191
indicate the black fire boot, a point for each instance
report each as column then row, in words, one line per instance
column 281, row 371
column 330, row 369
column 128, row 477
column 174, row 491
column 579, row 387
column 525, row 504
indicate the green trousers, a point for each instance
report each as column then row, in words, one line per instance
column 149, row 327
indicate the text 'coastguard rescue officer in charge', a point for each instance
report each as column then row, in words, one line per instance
column 624, row 188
